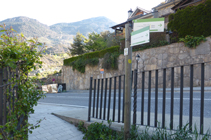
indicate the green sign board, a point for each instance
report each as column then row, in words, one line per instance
column 156, row 24
column 140, row 36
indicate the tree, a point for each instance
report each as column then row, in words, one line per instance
column 95, row 42
column 77, row 45
column 110, row 38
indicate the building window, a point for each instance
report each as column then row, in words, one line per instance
column 166, row 19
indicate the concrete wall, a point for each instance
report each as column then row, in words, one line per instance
column 156, row 58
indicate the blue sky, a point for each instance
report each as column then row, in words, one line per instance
column 56, row 11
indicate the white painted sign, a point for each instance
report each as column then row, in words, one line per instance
column 156, row 24
column 140, row 36
column 126, row 51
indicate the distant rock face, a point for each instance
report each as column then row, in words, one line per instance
column 59, row 35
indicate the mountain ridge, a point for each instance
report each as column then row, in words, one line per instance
column 95, row 23
column 57, row 36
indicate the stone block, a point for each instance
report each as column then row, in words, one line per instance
column 147, row 67
column 153, row 60
column 165, row 55
column 153, row 67
column 171, row 58
column 183, row 55
column 203, row 48
column 160, row 63
column 160, row 56
column 174, row 50
column 170, row 65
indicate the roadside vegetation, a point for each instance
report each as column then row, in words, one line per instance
column 18, row 57
column 79, row 62
column 99, row 131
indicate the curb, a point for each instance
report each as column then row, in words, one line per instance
column 74, row 121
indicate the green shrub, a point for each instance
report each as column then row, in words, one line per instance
column 18, row 57
column 182, row 133
column 194, row 20
column 110, row 61
column 79, row 62
column 96, row 54
column 81, row 127
column 99, row 131
column 191, row 41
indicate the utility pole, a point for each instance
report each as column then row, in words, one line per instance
column 128, row 77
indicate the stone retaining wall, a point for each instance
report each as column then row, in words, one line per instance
column 155, row 58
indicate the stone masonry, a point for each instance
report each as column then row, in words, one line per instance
column 172, row 55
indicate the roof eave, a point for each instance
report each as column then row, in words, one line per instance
column 119, row 25
column 139, row 8
column 176, row 6
column 131, row 19
column 166, row 4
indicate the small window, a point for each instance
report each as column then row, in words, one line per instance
column 166, row 19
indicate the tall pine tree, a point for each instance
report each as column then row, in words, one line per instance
column 78, row 45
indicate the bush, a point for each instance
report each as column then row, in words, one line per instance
column 194, row 21
column 110, row 61
column 20, row 55
column 79, row 63
column 99, row 131
column 191, row 41
column 96, row 54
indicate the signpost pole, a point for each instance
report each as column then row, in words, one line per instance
column 128, row 74
column 140, row 35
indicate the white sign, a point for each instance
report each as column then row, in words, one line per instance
column 140, row 36
column 156, row 24
column 126, row 51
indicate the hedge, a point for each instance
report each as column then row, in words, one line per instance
column 96, row 54
column 194, row 21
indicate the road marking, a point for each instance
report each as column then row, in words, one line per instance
column 197, row 99
column 78, row 106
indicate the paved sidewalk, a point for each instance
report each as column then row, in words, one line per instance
column 52, row 127
column 82, row 115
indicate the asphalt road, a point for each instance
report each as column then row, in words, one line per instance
column 81, row 97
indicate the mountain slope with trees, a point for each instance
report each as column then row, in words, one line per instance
column 58, row 42
column 59, row 36
column 97, row 24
